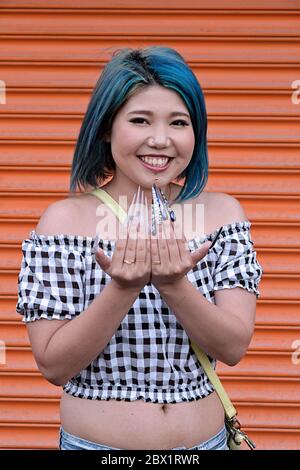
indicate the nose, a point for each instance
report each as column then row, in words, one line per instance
column 159, row 140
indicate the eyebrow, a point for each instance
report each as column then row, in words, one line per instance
column 143, row 111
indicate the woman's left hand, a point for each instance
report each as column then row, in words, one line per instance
column 170, row 259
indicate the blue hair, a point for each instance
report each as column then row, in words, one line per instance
column 130, row 70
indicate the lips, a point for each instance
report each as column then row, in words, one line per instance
column 155, row 169
column 152, row 155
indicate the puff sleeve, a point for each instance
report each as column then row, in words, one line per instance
column 50, row 281
column 237, row 264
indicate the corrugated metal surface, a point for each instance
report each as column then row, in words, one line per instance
column 246, row 55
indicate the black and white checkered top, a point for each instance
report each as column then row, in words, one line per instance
column 150, row 356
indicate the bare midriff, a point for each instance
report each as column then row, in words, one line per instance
column 142, row 425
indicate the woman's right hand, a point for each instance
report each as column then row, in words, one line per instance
column 132, row 245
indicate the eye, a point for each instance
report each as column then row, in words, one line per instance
column 138, row 120
column 181, row 122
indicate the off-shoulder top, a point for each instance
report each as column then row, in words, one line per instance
column 150, row 355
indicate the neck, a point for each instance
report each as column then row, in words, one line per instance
column 128, row 190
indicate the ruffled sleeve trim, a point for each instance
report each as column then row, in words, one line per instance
column 227, row 230
column 51, row 279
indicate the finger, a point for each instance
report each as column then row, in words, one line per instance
column 172, row 244
column 163, row 251
column 103, row 260
column 155, row 258
column 148, row 261
column 183, row 247
column 177, row 229
column 120, row 247
column 147, row 235
column 121, row 243
column 199, row 254
column 147, row 224
column 96, row 244
column 184, row 253
column 141, row 245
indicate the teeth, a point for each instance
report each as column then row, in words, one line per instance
column 155, row 161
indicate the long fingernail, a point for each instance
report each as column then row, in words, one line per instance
column 147, row 223
column 142, row 215
column 161, row 202
column 130, row 211
column 137, row 211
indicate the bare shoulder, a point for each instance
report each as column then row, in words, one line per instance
column 225, row 209
column 221, row 209
column 59, row 217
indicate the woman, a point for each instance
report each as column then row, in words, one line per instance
column 124, row 308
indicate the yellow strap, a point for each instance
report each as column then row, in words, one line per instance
column 111, row 203
column 230, row 411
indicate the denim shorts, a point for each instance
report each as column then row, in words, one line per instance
column 70, row 442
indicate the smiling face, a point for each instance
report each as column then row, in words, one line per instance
column 155, row 124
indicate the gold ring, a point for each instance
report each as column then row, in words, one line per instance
column 128, row 262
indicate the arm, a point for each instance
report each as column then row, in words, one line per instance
column 62, row 351
column 224, row 330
